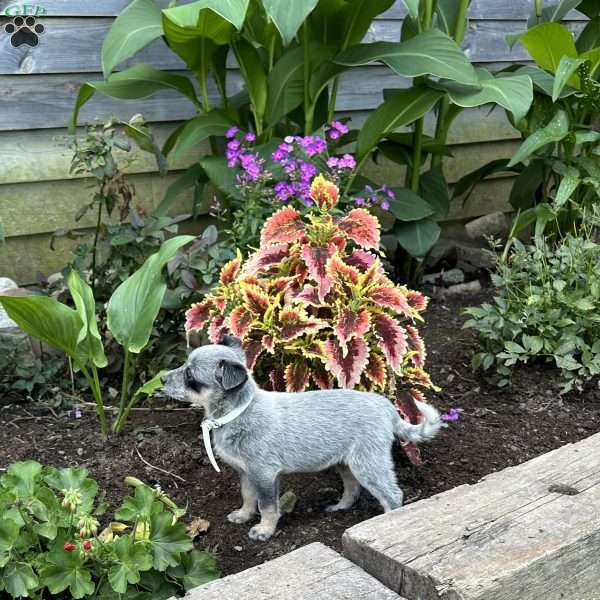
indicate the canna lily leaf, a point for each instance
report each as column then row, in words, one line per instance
column 197, row 130
column 288, row 17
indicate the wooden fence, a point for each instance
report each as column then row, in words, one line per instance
column 38, row 87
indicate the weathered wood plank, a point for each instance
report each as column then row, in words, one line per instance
column 516, row 534
column 72, row 46
column 314, row 572
column 479, row 9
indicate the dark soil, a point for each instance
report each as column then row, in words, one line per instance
column 497, row 429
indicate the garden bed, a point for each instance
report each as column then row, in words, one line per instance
column 496, row 429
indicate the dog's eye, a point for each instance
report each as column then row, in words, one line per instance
column 190, row 381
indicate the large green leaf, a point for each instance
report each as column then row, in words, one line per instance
column 76, row 479
column 152, row 385
column 447, row 13
column 89, row 336
column 199, row 568
column 136, row 82
column 221, row 176
column 139, row 507
column 285, row 85
column 47, row 320
column 190, row 178
column 593, row 56
column 418, row 237
column 467, row 183
column 589, row 38
column 167, row 540
column 139, row 24
column 288, row 16
column 547, row 43
column 255, row 78
column 433, row 187
column 197, row 130
column 525, row 190
column 429, row 53
column 134, row 306
column 21, row 478
column 67, row 570
column 514, row 93
column 408, row 206
column 542, row 80
column 413, row 8
column 9, row 534
column 565, row 72
column 568, row 184
column 591, row 8
column 556, row 130
column 554, row 12
column 401, row 108
column 18, row 579
column 132, row 559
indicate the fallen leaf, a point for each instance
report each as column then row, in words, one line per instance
column 197, row 526
column 287, row 502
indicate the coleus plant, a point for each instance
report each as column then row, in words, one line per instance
column 314, row 308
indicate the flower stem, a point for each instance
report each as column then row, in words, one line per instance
column 94, row 384
column 417, row 156
column 308, row 110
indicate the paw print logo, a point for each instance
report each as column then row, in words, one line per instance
column 24, row 31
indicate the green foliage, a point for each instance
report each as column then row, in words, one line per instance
column 50, row 543
column 35, row 377
column 546, row 306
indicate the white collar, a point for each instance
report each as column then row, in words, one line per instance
column 209, row 424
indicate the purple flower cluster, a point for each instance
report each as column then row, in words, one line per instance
column 336, row 130
column 238, row 154
column 380, row 197
column 343, row 162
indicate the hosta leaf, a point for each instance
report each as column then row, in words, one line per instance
column 556, row 130
column 429, row 53
column 547, row 43
column 392, row 339
column 361, row 227
column 296, row 376
column 348, row 367
column 288, row 16
column 285, row 225
column 139, row 24
column 167, row 541
column 133, row 558
column 18, row 579
column 316, row 258
column 67, row 570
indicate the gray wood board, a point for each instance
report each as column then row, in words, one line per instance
column 513, row 535
column 314, row 572
column 480, row 9
column 71, row 45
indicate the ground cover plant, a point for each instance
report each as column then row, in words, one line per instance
column 53, row 545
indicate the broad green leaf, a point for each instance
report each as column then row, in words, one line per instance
column 433, row 187
column 587, row 137
column 565, row 73
column 286, row 85
column 21, row 478
column 89, row 336
column 589, row 38
column 447, row 13
column 138, row 130
column 190, row 178
column 542, row 80
column 18, row 579
column 288, row 16
column 418, row 237
column 547, row 43
column 543, row 215
column 168, row 541
column 467, row 183
column 255, row 78
column 429, row 53
column 139, row 24
column 74, row 478
column 556, row 130
column 401, row 108
column 408, row 206
column 47, row 320
column 525, row 188
column 514, row 93
column 134, row 306
column 413, row 8
column 523, row 220
column 594, row 57
column 568, row 184
column 554, row 12
column 9, row 534
column 354, row 21
column 197, row 130
column 221, row 176
column 139, row 507
column 590, row 8
column 152, row 385
column 133, row 558
column 67, row 570
column 196, row 568
column 136, row 82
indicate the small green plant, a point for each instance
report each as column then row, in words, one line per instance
column 131, row 312
column 546, row 308
column 51, row 543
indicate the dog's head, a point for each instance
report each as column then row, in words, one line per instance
column 210, row 375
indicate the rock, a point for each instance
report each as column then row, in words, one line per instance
column 472, row 258
column 444, row 251
column 55, row 279
column 462, row 288
column 449, row 277
column 495, row 225
column 13, row 339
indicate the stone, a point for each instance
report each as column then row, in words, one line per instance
column 13, row 339
column 494, row 225
column 450, row 277
column 314, row 572
column 444, row 252
column 526, row 532
column 473, row 258
column 472, row 287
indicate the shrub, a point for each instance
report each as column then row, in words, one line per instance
column 50, row 542
column 546, row 308
column 314, row 307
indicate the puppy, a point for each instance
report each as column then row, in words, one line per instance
column 280, row 433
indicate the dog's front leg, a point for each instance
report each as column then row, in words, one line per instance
column 249, row 499
column 267, row 490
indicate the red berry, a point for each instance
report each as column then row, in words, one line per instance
column 87, row 545
column 69, row 547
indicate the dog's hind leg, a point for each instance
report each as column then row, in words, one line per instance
column 377, row 475
column 249, row 498
column 351, row 490
column 267, row 489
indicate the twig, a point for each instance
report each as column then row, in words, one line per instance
column 136, row 408
column 158, row 468
column 14, row 421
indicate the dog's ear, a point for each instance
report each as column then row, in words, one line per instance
column 230, row 341
column 231, row 374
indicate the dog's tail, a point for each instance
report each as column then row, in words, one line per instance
column 424, row 431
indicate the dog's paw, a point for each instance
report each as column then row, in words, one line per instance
column 335, row 507
column 260, row 533
column 239, row 516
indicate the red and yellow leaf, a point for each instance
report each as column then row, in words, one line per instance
column 309, row 295
column 217, row 329
column 342, row 272
column 197, row 315
column 417, row 300
column 240, row 321
column 324, row 193
column 321, row 377
column 349, row 367
column 265, row 258
column 277, row 380
column 351, row 324
column 230, row 271
column 361, row 260
column 283, row 226
column 269, row 343
column 316, row 258
column 392, row 338
column 253, row 349
column 296, row 376
column 257, row 301
column 361, row 227
column 390, row 297
column 376, row 370
column 294, row 322
column 416, row 343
